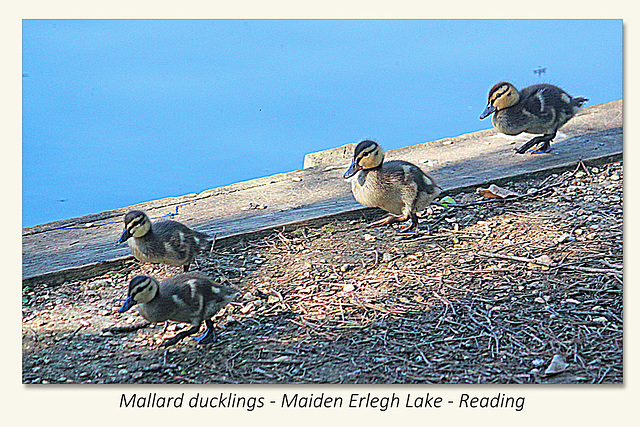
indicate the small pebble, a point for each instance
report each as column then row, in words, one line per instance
column 345, row 267
column 537, row 362
column 247, row 308
column 348, row 288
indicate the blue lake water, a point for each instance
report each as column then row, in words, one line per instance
column 117, row 112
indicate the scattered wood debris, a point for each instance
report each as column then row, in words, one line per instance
column 526, row 289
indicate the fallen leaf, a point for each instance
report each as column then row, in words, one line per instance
column 556, row 366
column 495, row 192
column 446, row 200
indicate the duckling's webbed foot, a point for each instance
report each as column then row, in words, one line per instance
column 171, row 341
column 391, row 219
column 544, row 148
column 412, row 227
column 544, row 139
column 209, row 335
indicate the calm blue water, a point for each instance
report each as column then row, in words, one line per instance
column 117, row 112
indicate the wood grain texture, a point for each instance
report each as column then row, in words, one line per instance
column 80, row 246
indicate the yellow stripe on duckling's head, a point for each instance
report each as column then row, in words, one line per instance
column 502, row 95
column 137, row 223
column 367, row 155
column 143, row 289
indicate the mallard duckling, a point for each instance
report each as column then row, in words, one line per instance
column 400, row 188
column 189, row 297
column 541, row 108
column 166, row 242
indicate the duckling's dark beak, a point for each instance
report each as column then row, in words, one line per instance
column 130, row 302
column 125, row 236
column 353, row 169
column 490, row 109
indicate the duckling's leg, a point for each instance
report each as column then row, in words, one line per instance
column 545, row 139
column 209, row 335
column 171, row 341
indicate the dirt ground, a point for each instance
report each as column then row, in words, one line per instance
column 526, row 290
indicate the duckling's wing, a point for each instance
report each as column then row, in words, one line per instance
column 200, row 240
column 181, row 239
column 533, row 102
column 399, row 170
column 189, row 297
column 406, row 172
column 194, row 282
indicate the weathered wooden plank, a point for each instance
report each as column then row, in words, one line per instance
column 80, row 245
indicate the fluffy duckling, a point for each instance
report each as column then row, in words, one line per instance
column 541, row 108
column 189, row 297
column 166, row 242
column 400, row 188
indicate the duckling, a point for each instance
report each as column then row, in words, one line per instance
column 541, row 108
column 189, row 297
column 399, row 187
column 167, row 242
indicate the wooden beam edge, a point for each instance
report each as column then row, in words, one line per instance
column 88, row 271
